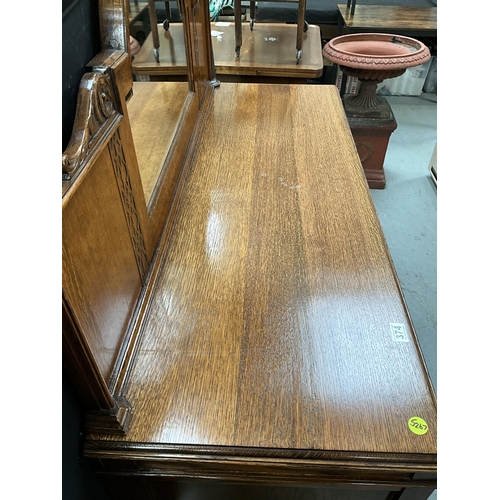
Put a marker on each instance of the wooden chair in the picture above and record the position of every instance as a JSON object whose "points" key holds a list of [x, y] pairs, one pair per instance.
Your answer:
{"points": [[301, 24]]}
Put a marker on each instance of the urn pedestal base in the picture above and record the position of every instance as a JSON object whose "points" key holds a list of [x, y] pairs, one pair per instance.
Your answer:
{"points": [[371, 130]]}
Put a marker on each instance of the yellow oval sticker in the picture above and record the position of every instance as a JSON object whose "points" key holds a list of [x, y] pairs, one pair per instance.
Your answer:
{"points": [[418, 425]]}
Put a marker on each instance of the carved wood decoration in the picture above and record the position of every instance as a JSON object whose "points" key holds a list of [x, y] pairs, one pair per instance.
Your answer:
{"points": [[129, 205], [96, 109]]}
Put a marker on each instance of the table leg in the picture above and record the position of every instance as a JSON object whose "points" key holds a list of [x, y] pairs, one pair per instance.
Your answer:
{"points": [[237, 26], [340, 24], [252, 14], [154, 29], [168, 15], [301, 17]]}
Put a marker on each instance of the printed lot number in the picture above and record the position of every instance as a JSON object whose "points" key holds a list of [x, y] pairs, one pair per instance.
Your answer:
{"points": [[398, 331]]}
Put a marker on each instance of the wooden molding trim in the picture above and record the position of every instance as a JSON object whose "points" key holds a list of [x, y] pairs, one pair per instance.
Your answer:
{"points": [[114, 421], [269, 465]]}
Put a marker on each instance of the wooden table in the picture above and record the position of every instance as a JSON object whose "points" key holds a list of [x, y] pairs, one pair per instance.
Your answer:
{"points": [[268, 54], [401, 20], [277, 357], [301, 26]]}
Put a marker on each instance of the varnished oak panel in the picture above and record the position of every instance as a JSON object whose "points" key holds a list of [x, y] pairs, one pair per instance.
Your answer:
{"points": [[267, 51], [154, 111], [388, 17], [267, 348], [103, 295]]}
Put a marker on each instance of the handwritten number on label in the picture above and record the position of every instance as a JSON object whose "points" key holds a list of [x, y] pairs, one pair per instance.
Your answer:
{"points": [[418, 426]]}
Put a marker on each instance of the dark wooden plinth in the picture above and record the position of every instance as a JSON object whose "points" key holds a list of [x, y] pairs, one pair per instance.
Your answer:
{"points": [[371, 135]]}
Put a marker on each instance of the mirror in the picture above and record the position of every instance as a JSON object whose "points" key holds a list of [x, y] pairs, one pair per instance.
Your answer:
{"points": [[161, 88]]}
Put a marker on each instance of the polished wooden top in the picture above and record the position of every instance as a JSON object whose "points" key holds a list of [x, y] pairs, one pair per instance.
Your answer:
{"points": [[269, 326], [154, 109], [268, 50], [387, 17]]}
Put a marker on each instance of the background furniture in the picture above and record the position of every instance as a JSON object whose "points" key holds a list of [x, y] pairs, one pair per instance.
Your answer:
{"points": [[324, 13], [301, 24], [268, 54], [400, 19]]}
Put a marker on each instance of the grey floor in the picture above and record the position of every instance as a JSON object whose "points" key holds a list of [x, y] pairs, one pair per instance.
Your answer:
{"points": [[407, 209]]}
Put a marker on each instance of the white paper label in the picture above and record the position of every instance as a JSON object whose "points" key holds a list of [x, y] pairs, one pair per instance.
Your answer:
{"points": [[398, 331]]}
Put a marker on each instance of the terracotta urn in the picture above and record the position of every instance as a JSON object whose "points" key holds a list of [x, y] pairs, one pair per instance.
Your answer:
{"points": [[374, 57]]}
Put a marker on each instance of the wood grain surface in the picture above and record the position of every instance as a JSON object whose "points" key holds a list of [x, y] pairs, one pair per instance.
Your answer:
{"points": [[269, 324], [389, 17], [154, 111], [101, 280], [268, 50]]}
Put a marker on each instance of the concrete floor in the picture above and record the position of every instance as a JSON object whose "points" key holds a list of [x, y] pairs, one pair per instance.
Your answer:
{"points": [[407, 209]]}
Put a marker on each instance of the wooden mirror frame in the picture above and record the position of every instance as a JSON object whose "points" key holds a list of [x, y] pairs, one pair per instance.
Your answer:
{"points": [[99, 335]]}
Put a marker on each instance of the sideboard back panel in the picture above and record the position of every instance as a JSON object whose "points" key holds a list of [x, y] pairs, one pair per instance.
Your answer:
{"points": [[101, 276]]}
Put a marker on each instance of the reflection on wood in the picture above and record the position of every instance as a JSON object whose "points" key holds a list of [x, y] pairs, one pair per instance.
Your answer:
{"points": [[268, 50], [154, 111], [272, 310], [172, 53]]}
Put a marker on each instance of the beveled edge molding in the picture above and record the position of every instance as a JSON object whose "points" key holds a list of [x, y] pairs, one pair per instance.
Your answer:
{"points": [[265, 465], [151, 451], [114, 421], [95, 110]]}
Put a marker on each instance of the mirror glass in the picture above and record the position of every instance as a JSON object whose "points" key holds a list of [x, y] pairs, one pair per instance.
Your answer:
{"points": [[160, 88]]}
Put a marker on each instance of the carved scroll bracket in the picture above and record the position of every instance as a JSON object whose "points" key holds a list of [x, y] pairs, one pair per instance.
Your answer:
{"points": [[96, 109]]}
